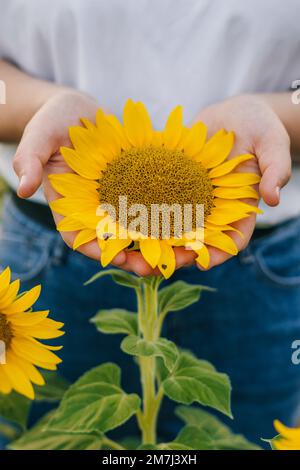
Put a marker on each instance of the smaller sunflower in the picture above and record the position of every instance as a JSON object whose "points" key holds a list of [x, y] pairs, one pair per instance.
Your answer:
{"points": [[20, 330], [289, 438], [177, 166]]}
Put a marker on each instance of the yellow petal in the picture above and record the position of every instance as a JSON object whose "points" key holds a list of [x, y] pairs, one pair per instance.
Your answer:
{"points": [[284, 431], [223, 228], [228, 166], [33, 351], [84, 236], [30, 370], [68, 224], [70, 184], [110, 248], [236, 205], [5, 385], [24, 302], [224, 217], [235, 180], [236, 193], [194, 141], [68, 206], [4, 280], [221, 241], [173, 129], [115, 123], [157, 139], [88, 144], [18, 379], [216, 150], [137, 124], [86, 169], [203, 257], [167, 261], [10, 295], [28, 318], [87, 123], [108, 141], [150, 249]]}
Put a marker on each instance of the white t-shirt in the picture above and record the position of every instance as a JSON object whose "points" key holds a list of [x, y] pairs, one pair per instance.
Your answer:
{"points": [[163, 52]]}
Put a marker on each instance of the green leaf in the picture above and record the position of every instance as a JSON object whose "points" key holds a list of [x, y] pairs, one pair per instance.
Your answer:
{"points": [[116, 320], [206, 432], [119, 276], [39, 438], [136, 346], [179, 295], [271, 442], [174, 446], [193, 380], [15, 408], [53, 390], [95, 403]]}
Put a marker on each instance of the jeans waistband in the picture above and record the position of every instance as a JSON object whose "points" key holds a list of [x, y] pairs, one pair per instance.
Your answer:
{"points": [[39, 213]]}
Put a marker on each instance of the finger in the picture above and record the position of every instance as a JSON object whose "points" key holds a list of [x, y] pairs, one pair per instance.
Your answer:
{"points": [[275, 166], [33, 152], [246, 227], [184, 257], [136, 263]]}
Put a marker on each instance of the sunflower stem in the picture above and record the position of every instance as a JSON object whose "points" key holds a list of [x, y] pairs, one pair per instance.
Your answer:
{"points": [[147, 317]]}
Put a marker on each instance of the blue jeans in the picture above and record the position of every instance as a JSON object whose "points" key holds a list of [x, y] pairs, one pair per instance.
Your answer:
{"points": [[245, 329]]}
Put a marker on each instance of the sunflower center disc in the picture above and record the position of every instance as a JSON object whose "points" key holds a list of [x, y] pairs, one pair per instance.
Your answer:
{"points": [[5, 330], [156, 176]]}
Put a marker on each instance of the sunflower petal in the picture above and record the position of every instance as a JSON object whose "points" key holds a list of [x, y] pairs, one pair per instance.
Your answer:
{"points": [[221, 241], [194, 141], [78, 164], [216, 150], [18, 379], [24, 302], [167, 261], [235, 180], [151, 251], [69, 224], [173, 129], [84, 236], [110, 248], [236, 193], [203, 257], [230, 165], [119, 128], [68, 184], [137, 124], [236, 205]]}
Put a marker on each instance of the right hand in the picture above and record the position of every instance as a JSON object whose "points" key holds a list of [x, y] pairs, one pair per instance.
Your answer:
{"points": [[38, 153]]}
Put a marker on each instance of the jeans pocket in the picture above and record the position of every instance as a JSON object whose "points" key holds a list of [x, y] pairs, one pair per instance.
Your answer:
{"points": [[278, 255]]}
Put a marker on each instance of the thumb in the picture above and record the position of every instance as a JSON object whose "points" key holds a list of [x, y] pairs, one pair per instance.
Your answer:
{"points": [[32, 154], [275, 166]]}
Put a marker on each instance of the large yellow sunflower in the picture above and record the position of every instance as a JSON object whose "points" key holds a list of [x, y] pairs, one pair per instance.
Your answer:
{"points": [[20, 328], [289, 438], [177, 165]]}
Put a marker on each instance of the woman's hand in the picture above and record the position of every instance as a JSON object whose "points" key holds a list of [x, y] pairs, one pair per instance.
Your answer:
{"points": [[38, 152], [258, 130]]}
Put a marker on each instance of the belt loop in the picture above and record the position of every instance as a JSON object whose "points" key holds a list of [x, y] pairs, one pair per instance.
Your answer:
{"points": [[246, 256], [60, 251]]}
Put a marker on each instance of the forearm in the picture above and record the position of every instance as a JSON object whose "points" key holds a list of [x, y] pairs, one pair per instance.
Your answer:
{"points": [[289, 114], [24, 96]]}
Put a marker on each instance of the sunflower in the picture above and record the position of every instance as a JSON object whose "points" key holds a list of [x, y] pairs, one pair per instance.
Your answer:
{"points": [[20, 328], [289, 438], [177, 165]]}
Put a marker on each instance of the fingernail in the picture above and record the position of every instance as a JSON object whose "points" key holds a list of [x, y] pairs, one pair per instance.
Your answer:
{"points": [[278, 192], [22, 181]]}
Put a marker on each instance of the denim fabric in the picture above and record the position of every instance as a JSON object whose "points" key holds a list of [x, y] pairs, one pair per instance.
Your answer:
{"points": [[245, 329]]}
